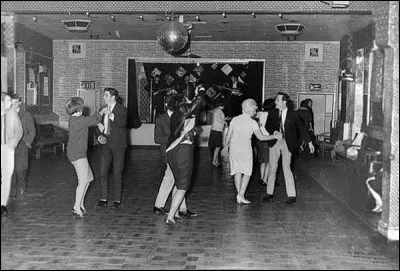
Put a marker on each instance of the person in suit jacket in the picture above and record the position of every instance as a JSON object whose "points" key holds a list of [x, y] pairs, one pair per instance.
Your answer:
{"points": [[286, 121], [11, 133], [161, 135], [21, 152], [113, 143]]}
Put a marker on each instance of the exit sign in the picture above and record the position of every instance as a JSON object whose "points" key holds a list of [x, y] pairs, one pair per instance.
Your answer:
{"points": [[87, 85]]}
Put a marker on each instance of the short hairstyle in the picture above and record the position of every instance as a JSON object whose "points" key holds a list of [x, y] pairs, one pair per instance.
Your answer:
{"points": [[173, 102], [285, 96], [304, 103], [74, 104], [269, 104], [113, 92], [248, 105], [219, 102], [15, 96]]}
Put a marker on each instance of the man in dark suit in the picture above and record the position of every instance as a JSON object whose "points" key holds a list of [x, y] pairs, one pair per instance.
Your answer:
{"points": [[21, 152], [113, 144], [285, 120]]}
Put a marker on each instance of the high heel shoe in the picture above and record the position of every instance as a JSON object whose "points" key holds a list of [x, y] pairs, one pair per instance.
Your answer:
{"points": [[241, 200], [170, 223], [76, 215]]}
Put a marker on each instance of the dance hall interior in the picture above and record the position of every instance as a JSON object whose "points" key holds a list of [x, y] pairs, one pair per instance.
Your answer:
{"points": [[154, 135]]}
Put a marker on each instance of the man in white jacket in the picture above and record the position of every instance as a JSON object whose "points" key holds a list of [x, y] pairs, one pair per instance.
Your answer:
{"points": [[11, 133]]}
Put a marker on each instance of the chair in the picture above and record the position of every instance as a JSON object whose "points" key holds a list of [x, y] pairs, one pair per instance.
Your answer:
{"points": [[327, 141], [348, 149], [49, 138]]}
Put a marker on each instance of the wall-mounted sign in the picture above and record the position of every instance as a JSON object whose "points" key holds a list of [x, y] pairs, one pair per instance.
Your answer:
{"points": [[315, 87], [314, 52], [76, 50], [87, 85]]}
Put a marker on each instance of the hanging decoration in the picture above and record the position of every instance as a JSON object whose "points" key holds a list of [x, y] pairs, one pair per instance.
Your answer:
{"points": [[172, 37]]}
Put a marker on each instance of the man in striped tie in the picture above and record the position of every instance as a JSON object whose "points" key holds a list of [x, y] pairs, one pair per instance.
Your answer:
{"points": [[113, 144]]}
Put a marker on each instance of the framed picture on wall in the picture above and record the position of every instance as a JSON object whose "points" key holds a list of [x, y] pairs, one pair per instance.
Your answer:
{"points": [[76, 50], [314, 52]]}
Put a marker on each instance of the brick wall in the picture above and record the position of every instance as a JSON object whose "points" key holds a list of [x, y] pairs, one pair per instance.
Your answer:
{"points": [[106, 64]]}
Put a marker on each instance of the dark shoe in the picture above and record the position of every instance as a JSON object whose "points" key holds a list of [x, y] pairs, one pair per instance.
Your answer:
{"points": [[188, 213], [290, 200], [160, 211], [116, 204], [83, 210], [268, 198], [102, 203], [76, 215], [3, 210], [170, 223]]}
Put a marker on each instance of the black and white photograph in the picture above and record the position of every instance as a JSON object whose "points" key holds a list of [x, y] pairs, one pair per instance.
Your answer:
{"points": [[201, 135]]}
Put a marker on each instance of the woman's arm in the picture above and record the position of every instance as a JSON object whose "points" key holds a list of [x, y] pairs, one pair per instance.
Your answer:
{"points": [[263, 137], [228, 137]]}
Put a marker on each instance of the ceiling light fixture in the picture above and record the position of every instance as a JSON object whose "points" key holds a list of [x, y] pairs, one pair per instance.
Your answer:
{"points": [[198, 18], [34, 19], [113, 18], [253, 14], [141, 17], [291, 29], [224, 15], [88, 14]]}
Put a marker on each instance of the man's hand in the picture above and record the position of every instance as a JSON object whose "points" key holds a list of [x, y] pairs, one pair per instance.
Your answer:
{"points": [[102, 139], [311, 146]]}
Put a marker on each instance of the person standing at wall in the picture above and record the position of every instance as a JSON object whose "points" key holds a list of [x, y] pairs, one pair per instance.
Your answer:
{"points": [[113, 143], [286, 121], [307, 119], [78, 133], [312, 128], [11, 133], [22, 150]]}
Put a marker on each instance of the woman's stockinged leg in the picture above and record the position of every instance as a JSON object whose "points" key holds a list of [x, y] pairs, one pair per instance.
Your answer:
{"points": [[176, 202]]}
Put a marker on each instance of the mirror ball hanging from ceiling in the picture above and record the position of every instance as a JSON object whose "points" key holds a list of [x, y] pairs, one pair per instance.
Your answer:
{"points": [[172, 37]]}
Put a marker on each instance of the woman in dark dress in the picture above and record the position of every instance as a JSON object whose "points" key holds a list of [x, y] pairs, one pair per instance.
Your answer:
{"points": [[180, 150]]}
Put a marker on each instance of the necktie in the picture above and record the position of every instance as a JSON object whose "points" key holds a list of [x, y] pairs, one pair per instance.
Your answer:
{"points": [[281, 129], [107, 123]]}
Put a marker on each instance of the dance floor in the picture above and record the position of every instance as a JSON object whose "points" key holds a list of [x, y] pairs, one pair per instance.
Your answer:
{"points": [[318, 232]]}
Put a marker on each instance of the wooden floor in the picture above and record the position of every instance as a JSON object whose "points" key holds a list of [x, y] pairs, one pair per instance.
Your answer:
{"points": [[318, 232]]}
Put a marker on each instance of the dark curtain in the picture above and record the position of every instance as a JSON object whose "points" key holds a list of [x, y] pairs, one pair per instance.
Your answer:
{"points": [[255, 81], [133, 113]]}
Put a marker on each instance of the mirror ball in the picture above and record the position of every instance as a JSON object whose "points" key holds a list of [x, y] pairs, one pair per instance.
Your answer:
{"points": [[172, 37]]}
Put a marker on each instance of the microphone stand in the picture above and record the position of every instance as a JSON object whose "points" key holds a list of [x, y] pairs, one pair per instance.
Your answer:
{"points": [[151, 100]]}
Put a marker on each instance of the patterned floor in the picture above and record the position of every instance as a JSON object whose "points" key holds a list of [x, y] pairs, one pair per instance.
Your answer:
{"points": [[318, 232]]}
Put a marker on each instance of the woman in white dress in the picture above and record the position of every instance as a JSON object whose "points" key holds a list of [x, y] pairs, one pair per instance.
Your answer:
{"points": [[238, 144]]}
